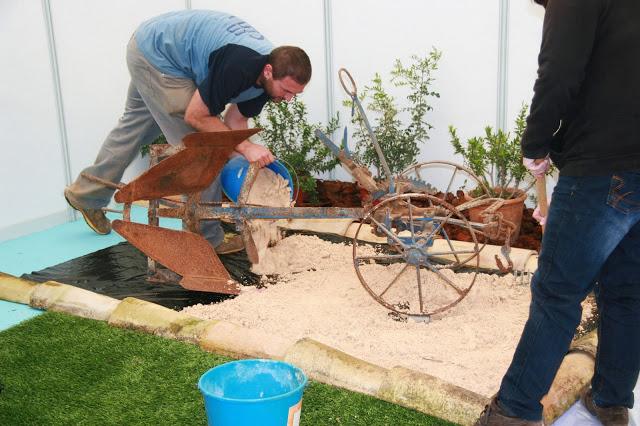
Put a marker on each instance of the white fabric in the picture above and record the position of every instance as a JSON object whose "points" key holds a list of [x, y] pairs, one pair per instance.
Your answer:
{"points": [[578, 415]]}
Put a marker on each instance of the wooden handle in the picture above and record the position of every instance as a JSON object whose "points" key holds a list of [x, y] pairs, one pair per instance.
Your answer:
{"points": [[541, 192]]}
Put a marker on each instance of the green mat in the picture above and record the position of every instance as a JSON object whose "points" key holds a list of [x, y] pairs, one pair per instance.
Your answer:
{"points": [[58, 370]]}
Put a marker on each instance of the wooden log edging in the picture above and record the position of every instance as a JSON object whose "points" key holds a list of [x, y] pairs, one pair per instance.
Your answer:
{"points": [[572, 379], [136, 314], [13, 289], [229, 339], [430, 394], [399, 385], [332, 366], [55, 296]]}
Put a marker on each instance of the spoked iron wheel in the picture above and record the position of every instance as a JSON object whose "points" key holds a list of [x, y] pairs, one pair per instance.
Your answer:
{"points": [[415, 274]]}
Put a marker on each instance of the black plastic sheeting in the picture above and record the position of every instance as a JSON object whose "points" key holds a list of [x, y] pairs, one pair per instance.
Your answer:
{"points": [[121, 271]]}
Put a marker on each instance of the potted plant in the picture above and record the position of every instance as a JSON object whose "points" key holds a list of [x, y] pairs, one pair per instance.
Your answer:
{"points": [[399, 142], [290, 137], [496, 159]]}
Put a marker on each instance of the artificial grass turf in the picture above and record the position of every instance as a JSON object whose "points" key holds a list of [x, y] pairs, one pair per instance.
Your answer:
{"points": [[58, 369]]}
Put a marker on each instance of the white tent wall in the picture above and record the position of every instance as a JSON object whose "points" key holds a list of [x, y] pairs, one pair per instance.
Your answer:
{"points": [[370, 35], [525, 32], [32, 168], [90, 42]]}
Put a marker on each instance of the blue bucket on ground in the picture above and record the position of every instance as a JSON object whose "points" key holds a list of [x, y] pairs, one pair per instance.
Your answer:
{"points": [[234, 172], [253, 392]]}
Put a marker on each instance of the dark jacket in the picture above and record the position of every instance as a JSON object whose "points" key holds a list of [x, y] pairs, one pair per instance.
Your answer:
{"points": [[585, 111]]}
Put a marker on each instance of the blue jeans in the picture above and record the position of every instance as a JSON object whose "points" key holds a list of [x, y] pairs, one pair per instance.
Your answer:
{"points": [[592, 239]]}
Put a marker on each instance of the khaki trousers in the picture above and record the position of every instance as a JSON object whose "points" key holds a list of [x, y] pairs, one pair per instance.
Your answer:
{"points": [[155, 104]]}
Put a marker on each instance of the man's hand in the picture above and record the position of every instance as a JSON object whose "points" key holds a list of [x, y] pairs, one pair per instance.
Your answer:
{"points": [[255, 153], [537, 167], [198, 117]]}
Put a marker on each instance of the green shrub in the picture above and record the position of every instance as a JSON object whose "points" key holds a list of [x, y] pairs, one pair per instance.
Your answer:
{"points": [[400, 143], [496, 158], [287, 132]]}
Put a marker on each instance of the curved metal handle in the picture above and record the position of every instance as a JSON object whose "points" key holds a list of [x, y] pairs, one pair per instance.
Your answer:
{"points": [[354, 90]]}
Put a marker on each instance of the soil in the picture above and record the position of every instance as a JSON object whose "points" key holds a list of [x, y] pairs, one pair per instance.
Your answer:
{"points": [[333, 193]]}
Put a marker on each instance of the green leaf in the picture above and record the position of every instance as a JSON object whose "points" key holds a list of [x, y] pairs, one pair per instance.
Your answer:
{"points": [[291, 137], [400, 140], [496, 157]]}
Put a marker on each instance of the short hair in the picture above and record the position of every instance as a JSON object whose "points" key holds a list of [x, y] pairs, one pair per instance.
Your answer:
{"points": [[290, 61]]}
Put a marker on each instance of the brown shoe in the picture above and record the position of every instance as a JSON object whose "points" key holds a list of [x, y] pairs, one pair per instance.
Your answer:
{"points": [[231, 245], [608, 416], [494, 416], [95, 218]]}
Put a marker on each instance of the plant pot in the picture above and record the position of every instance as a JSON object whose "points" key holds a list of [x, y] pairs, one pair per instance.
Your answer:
{"points": [[511, 210]]}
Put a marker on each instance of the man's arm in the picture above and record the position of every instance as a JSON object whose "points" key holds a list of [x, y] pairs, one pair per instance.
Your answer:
{"points": [[251, 151], [198, 116]]}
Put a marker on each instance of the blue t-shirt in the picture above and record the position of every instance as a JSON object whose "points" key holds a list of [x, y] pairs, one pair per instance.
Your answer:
{"points": [[223, 54]]}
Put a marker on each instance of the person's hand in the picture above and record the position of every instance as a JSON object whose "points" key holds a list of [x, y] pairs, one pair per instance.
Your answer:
{"points": [[257, 153], [542, 220], [538, 167]]}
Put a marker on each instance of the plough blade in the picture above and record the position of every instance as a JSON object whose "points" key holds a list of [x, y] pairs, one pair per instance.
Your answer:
{"points": [[191, 170], [185, 253], [206, 139]]}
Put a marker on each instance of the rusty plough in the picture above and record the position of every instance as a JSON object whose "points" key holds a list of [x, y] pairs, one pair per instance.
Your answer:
{"points": [[406, 211]]}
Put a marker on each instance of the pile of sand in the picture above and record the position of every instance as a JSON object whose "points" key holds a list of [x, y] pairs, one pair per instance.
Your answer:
{"points": [[268, 189], [318, 295]]}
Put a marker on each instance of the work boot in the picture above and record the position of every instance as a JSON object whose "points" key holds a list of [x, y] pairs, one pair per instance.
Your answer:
{"points": [[231, 245], [494, 416], [608, 416], [95, 218]]}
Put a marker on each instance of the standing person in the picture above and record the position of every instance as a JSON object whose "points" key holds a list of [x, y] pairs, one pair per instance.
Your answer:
{"points": [[585, 116], [185, 68]]}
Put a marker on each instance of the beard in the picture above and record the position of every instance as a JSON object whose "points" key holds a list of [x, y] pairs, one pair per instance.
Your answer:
{"points": [[268, 88]]}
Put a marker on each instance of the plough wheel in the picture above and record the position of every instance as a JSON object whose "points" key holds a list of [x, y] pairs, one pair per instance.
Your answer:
{"points": [[415, 274]]}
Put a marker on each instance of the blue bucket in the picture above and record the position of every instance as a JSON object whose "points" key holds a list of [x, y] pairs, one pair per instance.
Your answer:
{"points": [[253, 392], [234, 172]]}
